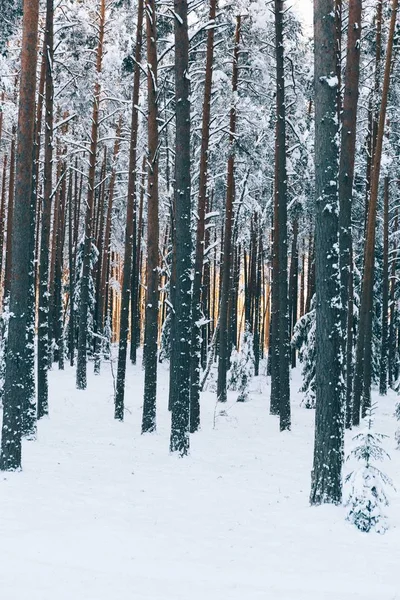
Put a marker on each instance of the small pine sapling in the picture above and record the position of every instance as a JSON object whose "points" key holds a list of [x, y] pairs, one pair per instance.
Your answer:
{"points": [[242, 366], [367, 497], [303, 340]]}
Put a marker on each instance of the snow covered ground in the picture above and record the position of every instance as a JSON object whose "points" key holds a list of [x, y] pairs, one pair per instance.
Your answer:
{"points": [[100, 512]]}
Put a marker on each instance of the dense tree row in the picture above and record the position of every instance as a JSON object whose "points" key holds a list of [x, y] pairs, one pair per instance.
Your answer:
{"points": [[174, 177]]}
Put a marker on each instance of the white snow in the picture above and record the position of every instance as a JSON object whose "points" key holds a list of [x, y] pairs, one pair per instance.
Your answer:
{"points": [[100, 512]]}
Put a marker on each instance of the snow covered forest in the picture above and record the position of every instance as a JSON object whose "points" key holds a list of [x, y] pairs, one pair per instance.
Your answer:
{"points": [[199, 299]]}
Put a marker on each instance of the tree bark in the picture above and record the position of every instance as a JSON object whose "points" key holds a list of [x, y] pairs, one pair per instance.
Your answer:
{"points": [[14, 390], [151, 324], [179, 440], [346, 179], [383, 376], [326, 478], [280, 384], [43, 301]]}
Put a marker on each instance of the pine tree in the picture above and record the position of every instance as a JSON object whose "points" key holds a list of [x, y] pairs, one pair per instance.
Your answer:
{"points": [[367, 497], [304, 341], [242, 366]]}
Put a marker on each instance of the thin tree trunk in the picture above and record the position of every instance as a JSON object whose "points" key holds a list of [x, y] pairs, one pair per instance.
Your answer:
{"points": [[200, 233], [280, 384], [346, 179], [226, 275], [383, 378], [130, 232], [43, 302], [151, 325], [136, 319]]}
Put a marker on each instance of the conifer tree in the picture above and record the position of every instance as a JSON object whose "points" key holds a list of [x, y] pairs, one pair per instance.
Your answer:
{"points": [[367, 497]]}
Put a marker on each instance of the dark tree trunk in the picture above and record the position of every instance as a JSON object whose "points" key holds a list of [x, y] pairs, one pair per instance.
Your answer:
{"points": [[280, 384], [3, 213], [130, 232], [71, 265], [43, 301], [151, 324], [226, 267], [346, 178], [136, 319], [10, 210], [326, 479], [383, 379], [15, 393], [179, 441], [294, 273]]}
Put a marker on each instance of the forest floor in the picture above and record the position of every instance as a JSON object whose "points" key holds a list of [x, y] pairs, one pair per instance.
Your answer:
{"points": [[100, 512]]}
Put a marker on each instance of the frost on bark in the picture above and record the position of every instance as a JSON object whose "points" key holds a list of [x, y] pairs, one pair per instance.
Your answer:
{"points": [[326, 478], [179, 441]]}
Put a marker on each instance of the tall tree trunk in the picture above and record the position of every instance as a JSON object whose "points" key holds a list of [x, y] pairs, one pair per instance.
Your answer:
{"points": [[326, 479], [226, 267], [363, 375], [43, 302], [179, 441], [136, 320], [151, 325], [280, 384], [294, 273], [346, 179], [201, 212], [14, 389], [130, 232], [81, 380]]}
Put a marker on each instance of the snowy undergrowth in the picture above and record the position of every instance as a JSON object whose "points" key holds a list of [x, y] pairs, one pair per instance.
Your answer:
{"points": [[103, 513]]}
